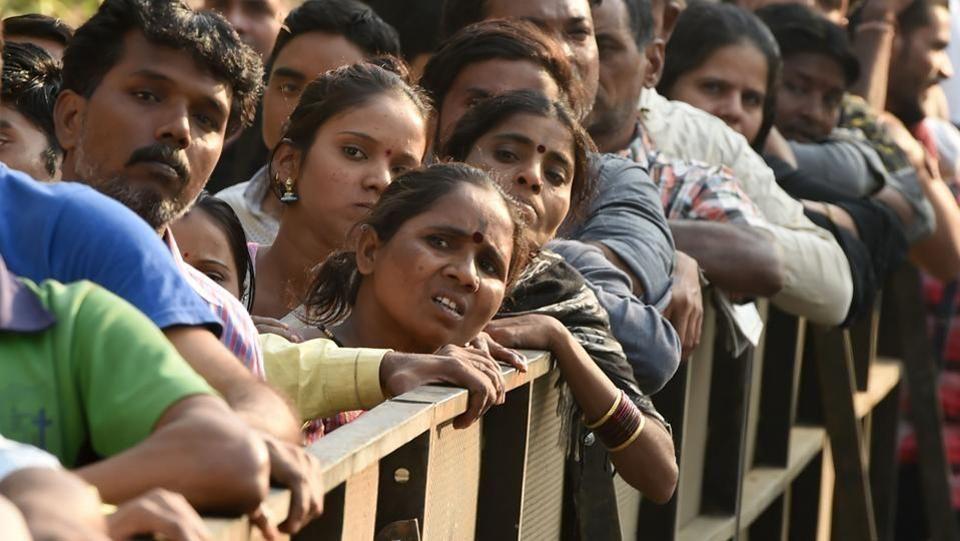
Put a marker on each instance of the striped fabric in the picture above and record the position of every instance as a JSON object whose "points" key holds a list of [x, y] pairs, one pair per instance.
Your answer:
{"points": [[239, 332]]}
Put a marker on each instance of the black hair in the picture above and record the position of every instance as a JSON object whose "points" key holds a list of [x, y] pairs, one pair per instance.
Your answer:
{"points": [[459, 14], [417, 22], [502, 40], [31, 82], [341, 90], [337, 281], [353, 20], [227, 221], [35, 25], [98, 45], [918, 14], [492, 112], [705, 27], [800, 29], [641, 21]]}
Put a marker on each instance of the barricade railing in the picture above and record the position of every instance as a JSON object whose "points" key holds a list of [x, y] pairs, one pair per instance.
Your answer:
{"points": [[793, 439]]}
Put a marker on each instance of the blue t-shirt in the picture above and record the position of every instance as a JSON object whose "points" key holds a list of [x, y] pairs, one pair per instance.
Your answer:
{"points": [[69, 232]]}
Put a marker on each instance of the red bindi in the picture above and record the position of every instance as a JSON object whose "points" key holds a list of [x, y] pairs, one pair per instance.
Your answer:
{"points": [[389, 152], [478, 237], [541, 149]]}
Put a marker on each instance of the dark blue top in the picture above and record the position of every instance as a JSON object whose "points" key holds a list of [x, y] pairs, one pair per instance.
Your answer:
{"points": [[69, 232]]}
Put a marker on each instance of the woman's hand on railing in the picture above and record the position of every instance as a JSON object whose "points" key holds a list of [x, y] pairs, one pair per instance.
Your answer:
{"points": [[160, 513], [297, 470], [507, 356], [468, 367]]}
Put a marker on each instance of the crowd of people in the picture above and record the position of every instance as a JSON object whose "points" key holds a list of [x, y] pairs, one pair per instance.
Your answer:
{"points": [[231, 228]]}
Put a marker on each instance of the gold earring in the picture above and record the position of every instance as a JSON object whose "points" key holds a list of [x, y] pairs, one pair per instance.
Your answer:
{"points": [[289, 196]]}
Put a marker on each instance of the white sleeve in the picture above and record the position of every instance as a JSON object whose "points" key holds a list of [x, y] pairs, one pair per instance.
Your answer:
{"points": [[17, 456]]}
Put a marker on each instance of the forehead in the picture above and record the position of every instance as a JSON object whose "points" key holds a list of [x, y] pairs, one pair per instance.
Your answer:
{"points": [[10, 118], [387, 117], [941, 23], [740, 63], [472, 208], [314, 53], [610, 16], [549, 12], [546, 131], [178, 67], [498, 76], [818, 69]]}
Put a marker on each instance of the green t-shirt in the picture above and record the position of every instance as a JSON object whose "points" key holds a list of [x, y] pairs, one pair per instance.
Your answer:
{"points": [[93, 384]]}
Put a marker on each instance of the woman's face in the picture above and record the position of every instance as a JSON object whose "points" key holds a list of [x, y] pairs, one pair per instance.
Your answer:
{"points": [[442, 276], [354, 156], [205, 247], [532, 157], [730, 84]]}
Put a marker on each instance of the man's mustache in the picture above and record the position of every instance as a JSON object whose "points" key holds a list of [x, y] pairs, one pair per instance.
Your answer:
{"points": [[164, 154]]}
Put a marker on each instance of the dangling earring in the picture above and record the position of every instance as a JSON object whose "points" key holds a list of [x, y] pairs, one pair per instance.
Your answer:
{"points": [[289, 196]]}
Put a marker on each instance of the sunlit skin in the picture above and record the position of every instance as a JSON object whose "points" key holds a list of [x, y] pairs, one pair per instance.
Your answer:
{"points": [[532, 157], [22, 145], [568, 21], [811, 92], [481, 80], [205, 247], [730, 84], [303, 59], [54, 48], [154, 95], [433, 256], [353, 158], [256, 21], [623, 73], [919, 61]]}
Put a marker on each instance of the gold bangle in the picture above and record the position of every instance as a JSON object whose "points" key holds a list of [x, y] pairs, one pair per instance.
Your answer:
{"points": [[882, 26], [634, 436], [603, 419]]}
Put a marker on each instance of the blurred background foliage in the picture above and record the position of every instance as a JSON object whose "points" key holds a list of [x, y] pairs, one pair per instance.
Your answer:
{"points": [[71, 11]]}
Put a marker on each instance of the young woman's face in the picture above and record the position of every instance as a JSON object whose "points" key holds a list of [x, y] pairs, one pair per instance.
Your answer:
{"points": [[354, 156], [205, 247], [532, 157], [441, 278], [730, 84]]}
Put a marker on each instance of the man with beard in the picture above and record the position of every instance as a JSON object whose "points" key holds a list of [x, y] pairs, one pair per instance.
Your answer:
{"points": [[819, 67], [152, 88], [816, 277]]}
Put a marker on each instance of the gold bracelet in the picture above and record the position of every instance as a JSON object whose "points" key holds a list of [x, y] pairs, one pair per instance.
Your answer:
{"points": [[634, 436], [603, 419], [882, 26]]}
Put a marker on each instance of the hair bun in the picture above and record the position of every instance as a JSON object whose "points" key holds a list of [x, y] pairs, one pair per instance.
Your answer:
{"points": [[392, 64]]}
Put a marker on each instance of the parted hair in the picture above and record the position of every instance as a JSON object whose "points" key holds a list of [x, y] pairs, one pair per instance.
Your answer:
{"points": [[97, 46], [31, 82], [494, 111], [337, 281], [343, 89], [502, 39], [36, 25], [702, 29]]}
